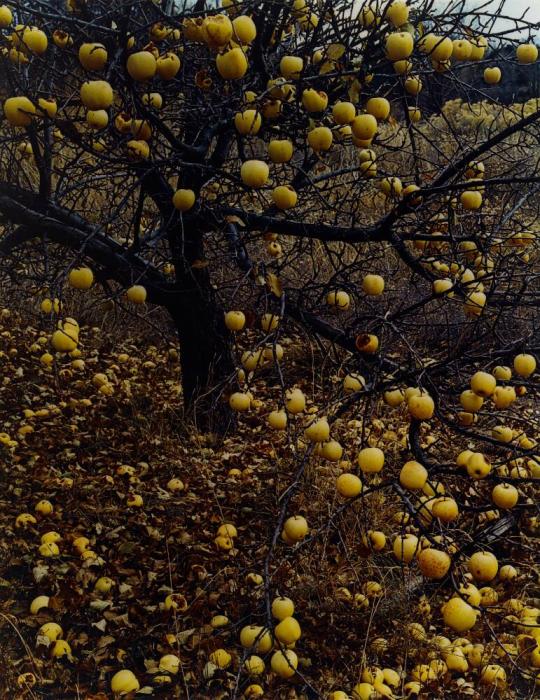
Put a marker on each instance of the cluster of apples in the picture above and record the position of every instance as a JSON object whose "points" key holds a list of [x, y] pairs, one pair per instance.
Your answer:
{"points": [[372, 285], [344, 120], [225, 536], [66, 337], [125, 682], [143, 67], [254, 359], [470, 273], [257, 642], [24, 42], [434, 657], [50, 633], [484, 385]]}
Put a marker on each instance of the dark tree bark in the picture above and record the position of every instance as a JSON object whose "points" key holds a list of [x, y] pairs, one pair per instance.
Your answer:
{"points": [[205, 343], [205, 356]]}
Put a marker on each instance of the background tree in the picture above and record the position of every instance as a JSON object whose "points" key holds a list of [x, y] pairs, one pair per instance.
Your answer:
{"points": [[273, 160]]}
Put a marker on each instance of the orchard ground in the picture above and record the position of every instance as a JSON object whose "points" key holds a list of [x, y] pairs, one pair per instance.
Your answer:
{"points": [[92, 455]]}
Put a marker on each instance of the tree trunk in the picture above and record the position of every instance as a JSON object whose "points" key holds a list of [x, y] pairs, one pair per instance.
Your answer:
{"points": [[205, 343], [205, 357]]}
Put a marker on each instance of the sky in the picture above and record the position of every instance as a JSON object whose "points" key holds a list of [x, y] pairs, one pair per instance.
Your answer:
{"points": [[512, 8]]}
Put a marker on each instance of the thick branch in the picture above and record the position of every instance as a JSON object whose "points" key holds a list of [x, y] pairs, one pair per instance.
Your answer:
{"points": [[33, 214]]}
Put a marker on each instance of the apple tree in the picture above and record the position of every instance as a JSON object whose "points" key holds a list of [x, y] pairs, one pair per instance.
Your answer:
{"points": [[351, 181]]}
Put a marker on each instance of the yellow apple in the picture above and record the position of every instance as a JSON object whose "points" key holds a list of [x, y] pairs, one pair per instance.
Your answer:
{"points": [[413, 475], [97, 94], [217, 30], [364, 126], [248, 122], [314, 101], [527, 53], [441, 49], [413, 85], [348, 485], [136, 294], [371, 460], [405, 547], [240, 401], [504, 396], [320, 138], [124, 682], [284, 663], [288, 631], [524, 365], [502, 373], [478, 466], [141, 66], [295, 401], [61, 341], [331, 450], [183, 199], [153, 99], [339, 299], [483, 384], [235, 320], [492, 75], [471, 200], [459, 615], [35, 40], [367, 343], [470, 401], [373, 285], [445, 509], [60, 648], [168, 65], [290, 67], [282, 608], [97, 118], [280, 150], [393, 398], [399, 46], [254, 173], [343, 112], [462, 49], [421, 407], [81, 278], [296, 528], [6, 16], [47, 107], [483, 566], [51, 630], [398, 13], [505, 496], [19, 111], [284, 197], [433, 563], [93, 56], [493, 674], [233, 64], [479, 46], [379, 107], [244, 29], [318, 431], [353, 383]]}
